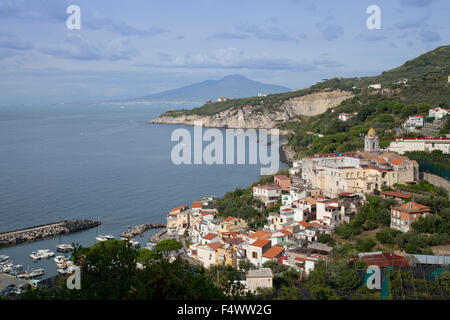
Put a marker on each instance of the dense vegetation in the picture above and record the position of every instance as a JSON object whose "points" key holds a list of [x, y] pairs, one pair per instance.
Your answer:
{"points": [[427, 83]]}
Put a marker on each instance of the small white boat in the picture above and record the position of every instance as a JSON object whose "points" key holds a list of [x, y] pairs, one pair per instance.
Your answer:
{"points": [[33, 274], [3, 258], [64, 247], [105, 238], [35, 255], [60, 259], [68, 270], [101, 238]]}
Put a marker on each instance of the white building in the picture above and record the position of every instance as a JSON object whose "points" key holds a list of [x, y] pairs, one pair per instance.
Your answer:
{"points": [[262, 278], [374, 86], [420, 144], [345, 116], [268, 194], [438, 113], [413, 122]]}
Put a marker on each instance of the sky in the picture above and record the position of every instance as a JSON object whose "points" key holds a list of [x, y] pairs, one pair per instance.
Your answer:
{"points": [[128, 49]]}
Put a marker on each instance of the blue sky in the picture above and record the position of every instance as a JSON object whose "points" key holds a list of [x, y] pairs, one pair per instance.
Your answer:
{"points": [[134, 48]]}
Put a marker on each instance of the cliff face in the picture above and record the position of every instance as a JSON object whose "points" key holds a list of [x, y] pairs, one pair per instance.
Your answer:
{"points": [[258, 117]]}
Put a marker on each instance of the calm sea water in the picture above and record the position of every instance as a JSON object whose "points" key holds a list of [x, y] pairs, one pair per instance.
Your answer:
{"points": [[96, 162]]}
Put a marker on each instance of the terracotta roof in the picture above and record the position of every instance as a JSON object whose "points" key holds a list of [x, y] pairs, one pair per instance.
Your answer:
{"points": [[260, 234], [273, 252], [234, 241], [210, 236], [178, 208], [385, 259], [214, 245], [197, 204], [304, 224], [413, 207], [380, 161], [286, 232], [346, 194], [397, 194], [282, 177], [397, 161], [227, 219], [310, 200], [207, 213], [260, 243]]}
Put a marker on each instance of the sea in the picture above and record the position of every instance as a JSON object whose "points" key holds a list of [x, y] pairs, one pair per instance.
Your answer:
{"points": [[100, 162]]}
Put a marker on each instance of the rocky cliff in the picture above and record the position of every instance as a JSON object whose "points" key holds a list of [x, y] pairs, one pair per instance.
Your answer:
{"points": [[259, 117]]}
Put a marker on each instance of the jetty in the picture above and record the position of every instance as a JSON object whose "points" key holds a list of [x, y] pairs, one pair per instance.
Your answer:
{"points": [[12, 238], [138, 230]]}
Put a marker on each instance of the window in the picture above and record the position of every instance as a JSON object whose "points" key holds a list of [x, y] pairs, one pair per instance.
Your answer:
{"points": [[254, 255]]}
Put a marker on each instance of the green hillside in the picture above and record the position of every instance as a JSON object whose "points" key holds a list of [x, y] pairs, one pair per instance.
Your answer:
{"points": [[427, 83]]}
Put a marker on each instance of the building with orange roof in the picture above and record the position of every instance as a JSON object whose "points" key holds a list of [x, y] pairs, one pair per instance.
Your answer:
{"points": [[226, 255], [178, 220], [206, 253], [232, 224], [260, 235], [272, 254], [210, 237], [403, 216], [256, 249], [283, 181]]}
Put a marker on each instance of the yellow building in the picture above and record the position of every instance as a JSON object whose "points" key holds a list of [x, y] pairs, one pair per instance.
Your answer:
{"points": [[231, 224], [226, 255]]}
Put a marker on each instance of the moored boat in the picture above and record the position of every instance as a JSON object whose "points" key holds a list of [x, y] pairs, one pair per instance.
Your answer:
{"points": [[64, 248]]}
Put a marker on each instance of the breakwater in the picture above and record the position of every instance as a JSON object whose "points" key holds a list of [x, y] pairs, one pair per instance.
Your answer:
{"points": [[137, 230], [12, 238]]}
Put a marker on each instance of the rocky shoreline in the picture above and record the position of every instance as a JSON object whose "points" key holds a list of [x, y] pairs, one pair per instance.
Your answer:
{"points": [[45, 231], [138, 230]]}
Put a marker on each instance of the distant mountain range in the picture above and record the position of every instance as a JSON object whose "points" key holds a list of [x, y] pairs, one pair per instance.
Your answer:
{"points": [[232, 86]]}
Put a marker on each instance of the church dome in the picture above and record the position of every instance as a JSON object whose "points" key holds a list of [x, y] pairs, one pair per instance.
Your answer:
{"points": [[372, 132]]}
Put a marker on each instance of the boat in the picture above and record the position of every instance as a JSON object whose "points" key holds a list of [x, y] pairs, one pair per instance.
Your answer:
{"points": [[105, 238], [68, 270], [60, 259], [150, 246], [64, 247], [35, 255], [3, 258], [101, 238], [33, 274]]}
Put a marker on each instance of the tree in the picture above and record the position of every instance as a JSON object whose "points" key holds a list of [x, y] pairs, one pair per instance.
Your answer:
{"points": [[165, 247]]}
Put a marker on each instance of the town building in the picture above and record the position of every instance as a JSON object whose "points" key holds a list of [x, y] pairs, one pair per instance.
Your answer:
{"points": [[261, 278], [232, 224], [420, 144], [255, 251], [345, 116], [283, 181], [404, 215], [268, 194], [438, 113], [178, 220]]}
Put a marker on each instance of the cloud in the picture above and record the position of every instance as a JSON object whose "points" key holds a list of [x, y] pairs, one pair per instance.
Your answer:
{"points": [[417, 3], [371, 37], [258, 32], [98, 22], [267, 33], [330, 31], [226, 36], [36, 9], [232, 58], [429, 36], [14, 42], [80, 48]]}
